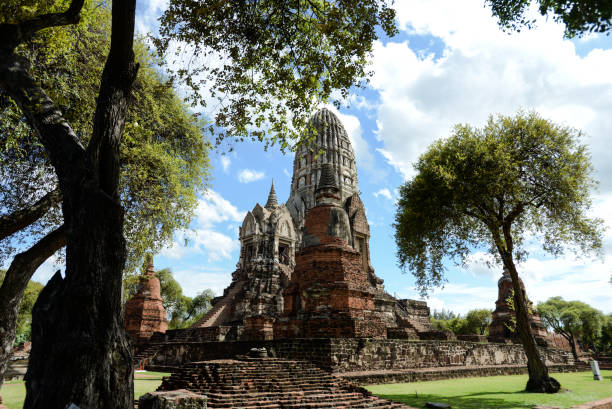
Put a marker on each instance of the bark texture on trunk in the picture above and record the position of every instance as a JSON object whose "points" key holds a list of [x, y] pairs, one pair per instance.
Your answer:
{"points": [[80, 352], [15, 282], [572, 343], [539, 380]]}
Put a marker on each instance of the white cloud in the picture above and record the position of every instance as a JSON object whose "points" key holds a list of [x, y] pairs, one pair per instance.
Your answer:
{"points": [[212, 210], [360, 102], [194, 281], [47, 270], [225, 163], [484, 71], [384, 193], [482, 264], [147, 16], [249, 175], [216, 246], [286, 172]]}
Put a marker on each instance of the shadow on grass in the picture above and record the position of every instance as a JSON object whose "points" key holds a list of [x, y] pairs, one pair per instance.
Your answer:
{"points": [[471, 401]]}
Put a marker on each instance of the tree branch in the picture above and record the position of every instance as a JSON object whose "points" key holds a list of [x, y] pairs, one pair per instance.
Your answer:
{"points": [[25, 264], [515, 212], [14, 34], [60, 141], [12, 223], [117, 78]]}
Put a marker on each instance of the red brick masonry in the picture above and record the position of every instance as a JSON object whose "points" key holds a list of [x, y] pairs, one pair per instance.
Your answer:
{"points": [[145, 313], [271, 383]]}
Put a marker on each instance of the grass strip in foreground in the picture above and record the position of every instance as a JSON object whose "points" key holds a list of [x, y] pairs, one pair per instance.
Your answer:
{"points": [[499, 392], [13, 392]]}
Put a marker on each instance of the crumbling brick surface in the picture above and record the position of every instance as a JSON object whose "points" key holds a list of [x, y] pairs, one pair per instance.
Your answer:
{"points": [[145, 313], [176, 399], [351, 354], [271, 383]]}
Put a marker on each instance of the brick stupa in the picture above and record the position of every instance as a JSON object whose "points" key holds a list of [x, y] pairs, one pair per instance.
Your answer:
{"points": [[329, 294], [502, 316], [145, 313]]}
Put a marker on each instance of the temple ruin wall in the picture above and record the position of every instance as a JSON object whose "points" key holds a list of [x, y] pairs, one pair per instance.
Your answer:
{"points": [[349, 354]]}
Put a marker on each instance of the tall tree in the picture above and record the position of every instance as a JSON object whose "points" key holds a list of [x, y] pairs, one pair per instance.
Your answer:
{"points": [[80, 353], [492, 186], [289, 55], [579, 16], [574, 320], [164, 161]]}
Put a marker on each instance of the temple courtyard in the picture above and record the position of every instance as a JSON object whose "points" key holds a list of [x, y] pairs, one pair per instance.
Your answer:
{"points": [[501, 392]]}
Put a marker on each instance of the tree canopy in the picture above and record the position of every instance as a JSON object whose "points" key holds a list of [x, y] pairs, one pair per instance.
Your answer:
{"points": [[579, 16], [265, 66], [492, 187], [574, 320]]}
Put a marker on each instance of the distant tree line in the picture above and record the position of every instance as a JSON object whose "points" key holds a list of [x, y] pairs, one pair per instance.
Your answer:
{"points": [[577, 322], [474, 322]]}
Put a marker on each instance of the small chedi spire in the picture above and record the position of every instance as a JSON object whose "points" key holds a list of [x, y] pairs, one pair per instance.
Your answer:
{"points": [[144, 312], [327, 191], [327, 181], [272, 202]]}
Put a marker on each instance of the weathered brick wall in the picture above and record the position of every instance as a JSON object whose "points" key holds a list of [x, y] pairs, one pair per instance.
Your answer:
{"points": [[359, 355], [349, 354], [371, 378]]}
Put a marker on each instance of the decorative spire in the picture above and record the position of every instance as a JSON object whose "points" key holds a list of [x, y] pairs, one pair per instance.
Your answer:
{"points": [[272, 202], [327, 180]]}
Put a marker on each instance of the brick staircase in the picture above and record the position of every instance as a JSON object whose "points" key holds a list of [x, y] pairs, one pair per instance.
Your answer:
{"points": [[220, 311], [271, 383]]}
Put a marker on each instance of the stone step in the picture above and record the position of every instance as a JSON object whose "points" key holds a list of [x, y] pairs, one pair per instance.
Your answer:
{"points": [[271, 383]]}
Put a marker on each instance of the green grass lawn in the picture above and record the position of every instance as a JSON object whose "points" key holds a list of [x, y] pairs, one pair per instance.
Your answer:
{"points": [[13, 392], [499, 392]]}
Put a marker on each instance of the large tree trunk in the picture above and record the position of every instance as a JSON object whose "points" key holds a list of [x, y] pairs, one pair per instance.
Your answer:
{"points": [[15, 282], [572, 342], [539, 380], [80, 352]]}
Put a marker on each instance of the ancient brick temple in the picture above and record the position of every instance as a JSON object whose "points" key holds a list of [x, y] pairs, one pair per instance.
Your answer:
{"points": [[305, 290], [145, 313], [277, 242]]}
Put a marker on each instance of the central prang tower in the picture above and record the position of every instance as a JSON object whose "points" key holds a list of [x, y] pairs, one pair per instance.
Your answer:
{"points": [[331, 146], [272, 235]]}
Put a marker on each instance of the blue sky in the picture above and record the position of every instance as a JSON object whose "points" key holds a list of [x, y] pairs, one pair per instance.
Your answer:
{"points": [[449, 64]]}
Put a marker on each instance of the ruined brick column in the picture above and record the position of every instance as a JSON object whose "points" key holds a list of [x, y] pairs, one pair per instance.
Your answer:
{"points": [[145, 313], [329, 294]]}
